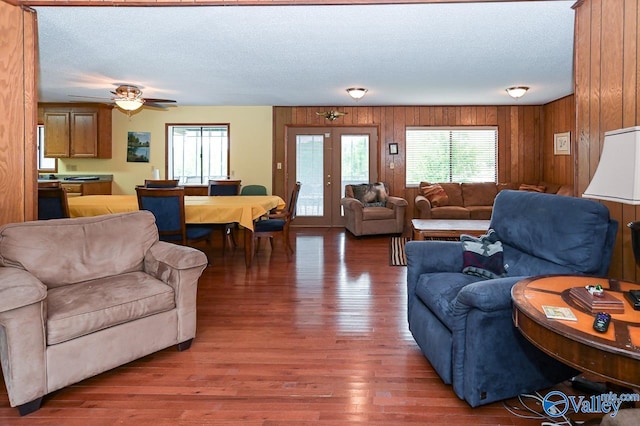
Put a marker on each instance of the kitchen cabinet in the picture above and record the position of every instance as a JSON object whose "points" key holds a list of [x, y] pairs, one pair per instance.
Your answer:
{"points": [[82, 131], [87, 188]]}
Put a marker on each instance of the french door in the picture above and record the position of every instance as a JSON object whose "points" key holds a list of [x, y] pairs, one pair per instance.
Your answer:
{"points": [[324, 160]]}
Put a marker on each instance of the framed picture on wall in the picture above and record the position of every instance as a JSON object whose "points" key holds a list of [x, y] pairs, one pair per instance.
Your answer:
{"points": [[393, 148], [138, 147], [562, 143]]}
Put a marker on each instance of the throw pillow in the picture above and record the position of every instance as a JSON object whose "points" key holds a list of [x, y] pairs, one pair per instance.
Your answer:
{"points": [[532, 188], [371, 194], [482, 256], [436, 194]]}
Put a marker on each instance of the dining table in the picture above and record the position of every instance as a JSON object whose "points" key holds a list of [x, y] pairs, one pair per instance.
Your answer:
{"points": [[199, 209]]}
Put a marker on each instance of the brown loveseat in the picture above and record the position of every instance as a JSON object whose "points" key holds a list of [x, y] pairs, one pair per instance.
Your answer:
{"points": [[82, 296], [369, 210], [471, 200]]}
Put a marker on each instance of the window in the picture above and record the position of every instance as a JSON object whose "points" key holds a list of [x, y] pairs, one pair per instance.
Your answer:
{"points": [[44, 164], [197, 153], [455, 154]]}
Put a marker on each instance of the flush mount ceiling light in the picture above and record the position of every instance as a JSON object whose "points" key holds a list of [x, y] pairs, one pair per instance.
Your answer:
{"points": [[357, 93], [517, 91]]}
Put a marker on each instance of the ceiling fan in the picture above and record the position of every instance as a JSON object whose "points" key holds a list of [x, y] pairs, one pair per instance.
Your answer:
{"points": [[129, 98], [331, 115]]}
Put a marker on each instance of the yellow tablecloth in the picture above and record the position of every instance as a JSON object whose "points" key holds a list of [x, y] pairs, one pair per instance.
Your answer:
{"points": [[243, 209]]}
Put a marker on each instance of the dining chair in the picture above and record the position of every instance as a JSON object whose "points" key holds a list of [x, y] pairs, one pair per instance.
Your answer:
{"points": [[167, 205], [52, 203], [160, 183], [277, 224], [254, 190], [49, 184], [225, 187]]}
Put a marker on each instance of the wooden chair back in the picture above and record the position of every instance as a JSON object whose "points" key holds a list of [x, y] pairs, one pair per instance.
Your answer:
{"points": [[52, 203], [161, 183], [167, 205], [224, 187]]}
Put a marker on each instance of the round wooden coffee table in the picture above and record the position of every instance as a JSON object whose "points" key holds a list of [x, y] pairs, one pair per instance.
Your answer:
{"points": [[614, 355]]}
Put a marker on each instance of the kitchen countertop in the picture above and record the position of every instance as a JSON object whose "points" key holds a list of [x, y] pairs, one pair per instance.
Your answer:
{"points": [[75, 178]]}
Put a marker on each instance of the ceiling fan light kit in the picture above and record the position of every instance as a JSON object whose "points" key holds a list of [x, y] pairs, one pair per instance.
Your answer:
{"points": [[357, 93], [517, 91], [129, 104]]}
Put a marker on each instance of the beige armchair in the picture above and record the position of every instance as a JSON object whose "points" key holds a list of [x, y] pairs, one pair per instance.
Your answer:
{"points": [[82, 296], [369, 210]]}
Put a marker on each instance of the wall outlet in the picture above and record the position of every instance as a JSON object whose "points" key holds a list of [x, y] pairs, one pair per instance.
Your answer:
{"points": [[72, 168]]}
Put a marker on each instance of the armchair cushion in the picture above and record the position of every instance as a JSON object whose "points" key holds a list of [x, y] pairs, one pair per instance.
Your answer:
{"points": [[78, 309], [81, 244]]}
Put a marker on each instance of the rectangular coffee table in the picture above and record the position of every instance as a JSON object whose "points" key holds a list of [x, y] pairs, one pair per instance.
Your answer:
{"points": [[447, 228]]}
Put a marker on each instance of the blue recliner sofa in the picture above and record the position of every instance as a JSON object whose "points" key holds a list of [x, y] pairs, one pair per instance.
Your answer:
{"points": [[463, 323]]}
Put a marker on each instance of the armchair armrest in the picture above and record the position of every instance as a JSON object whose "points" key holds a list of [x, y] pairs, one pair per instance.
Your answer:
{"points": [[352, 204], [486, 295], [19, 288], [395, 202], [180, 267], [424, 207]]}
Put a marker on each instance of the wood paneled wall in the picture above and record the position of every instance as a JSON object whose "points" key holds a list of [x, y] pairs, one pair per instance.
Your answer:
{"points": [[18, 105], [559, 117], [607, 39], [519, 137]]}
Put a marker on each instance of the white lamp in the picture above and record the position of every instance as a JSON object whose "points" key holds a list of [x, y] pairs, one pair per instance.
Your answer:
{"points": [[357, 93], [129, 104], [517, 91], [617, 177]]}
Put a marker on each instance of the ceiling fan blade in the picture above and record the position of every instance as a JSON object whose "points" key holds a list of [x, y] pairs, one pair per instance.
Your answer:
{"points": [[158, 101], [154, 105], [90, 97]]}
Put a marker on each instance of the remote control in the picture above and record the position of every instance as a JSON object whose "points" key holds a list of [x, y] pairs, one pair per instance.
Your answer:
{"points": [[601, 323], [634, 298]]}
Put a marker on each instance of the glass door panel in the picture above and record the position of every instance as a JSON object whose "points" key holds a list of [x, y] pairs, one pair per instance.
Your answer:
{"points": [[310, 173]]}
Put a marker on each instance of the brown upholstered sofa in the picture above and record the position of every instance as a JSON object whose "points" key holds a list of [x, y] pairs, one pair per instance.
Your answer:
{"points": [[82, 296], [471, 200], [369, 210]]}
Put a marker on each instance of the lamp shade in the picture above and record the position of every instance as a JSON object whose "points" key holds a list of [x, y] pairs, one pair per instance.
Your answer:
{"points": [[617, 177]]}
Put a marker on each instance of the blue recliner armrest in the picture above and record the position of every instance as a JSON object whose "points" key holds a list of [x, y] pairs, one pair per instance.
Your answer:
{"points": [[487, 295]]}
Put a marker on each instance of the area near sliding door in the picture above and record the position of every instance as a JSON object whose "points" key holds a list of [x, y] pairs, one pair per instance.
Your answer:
{"points": [[324, 160]]}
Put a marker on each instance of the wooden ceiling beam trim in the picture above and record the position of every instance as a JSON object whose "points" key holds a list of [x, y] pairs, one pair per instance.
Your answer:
{"points": [[132, 3]]}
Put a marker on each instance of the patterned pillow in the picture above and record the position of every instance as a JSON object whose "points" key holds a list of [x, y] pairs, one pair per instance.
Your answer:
{"points": [[435, 194], [532, 188], [482, 256], [371, 194]]}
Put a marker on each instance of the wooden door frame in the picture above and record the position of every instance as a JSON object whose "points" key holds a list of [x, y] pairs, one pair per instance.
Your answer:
{"points": [[376, 166]]}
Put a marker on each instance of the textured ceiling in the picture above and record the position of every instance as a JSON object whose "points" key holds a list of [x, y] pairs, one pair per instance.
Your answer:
{"points": [[405, 54]]}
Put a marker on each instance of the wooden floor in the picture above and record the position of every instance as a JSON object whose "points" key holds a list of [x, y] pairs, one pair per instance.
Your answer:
{"points": [[321, 339]]}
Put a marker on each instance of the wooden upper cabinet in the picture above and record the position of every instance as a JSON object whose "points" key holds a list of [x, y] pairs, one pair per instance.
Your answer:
{"points": [[72, 131], [84, 134], [57, 135]]}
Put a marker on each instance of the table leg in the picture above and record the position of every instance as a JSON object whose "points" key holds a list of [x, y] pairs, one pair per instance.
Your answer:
{"points": [[248, 247]]}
